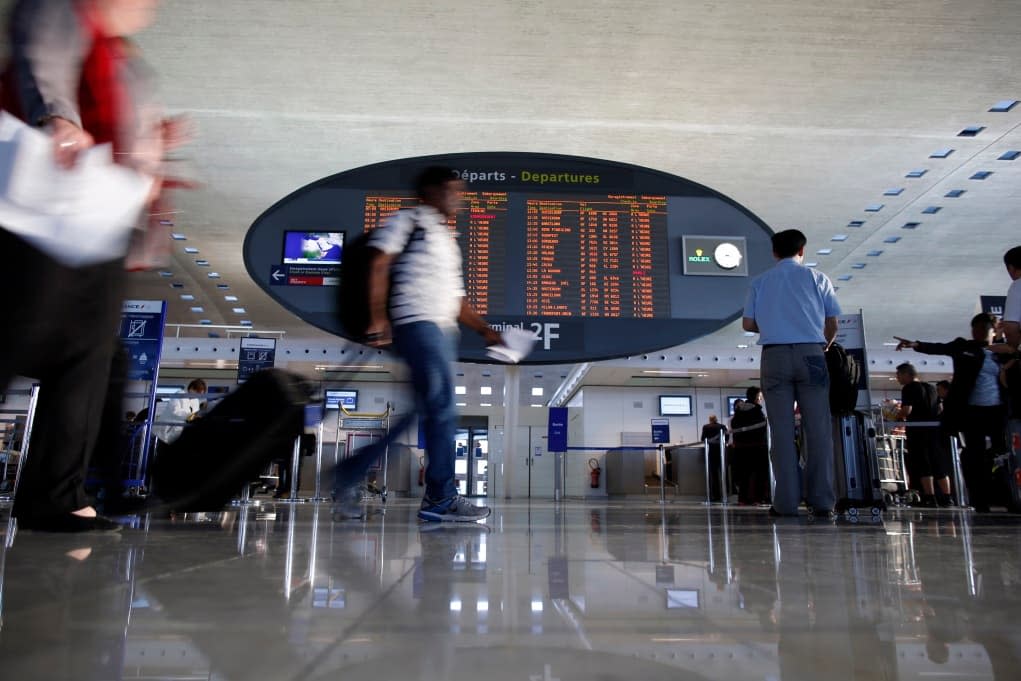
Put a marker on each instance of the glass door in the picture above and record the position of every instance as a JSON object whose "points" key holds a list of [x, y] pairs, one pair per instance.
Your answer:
{"points": [[462, 461], [479, 462]]}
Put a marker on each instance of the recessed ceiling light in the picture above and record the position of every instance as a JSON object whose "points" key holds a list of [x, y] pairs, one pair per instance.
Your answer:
{"points": [[1003, 106], [916, 173], [856, 223], [981, 175], [971, 131], [197, 308], [231, 299], [177, 236], [487, 374], [536, 392], [954, 193], [895, 191], [910, 225], [239, 310], [191, 250], [844, 277], [874, 254], [538, 406], [858, 266], [165, 274], [460, 390], [202, 263], [891, 239], [941, 153], [486, 390], [213, 275], [1008, 156], [873, 208], [742, 346], [807, 264], [245, 322], [187, 296], [931, 210], [461, 404], [824, 251], [223, 287], [206, 322], [485, 404], [839, 237], [176, 284]]}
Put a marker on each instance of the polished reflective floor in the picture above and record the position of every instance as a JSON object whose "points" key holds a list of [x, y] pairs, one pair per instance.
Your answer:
{"points": [[542, 592]]}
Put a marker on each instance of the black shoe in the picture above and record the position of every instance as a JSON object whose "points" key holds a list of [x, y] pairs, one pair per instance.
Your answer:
{"points": [[69, 522], [822, 514]]}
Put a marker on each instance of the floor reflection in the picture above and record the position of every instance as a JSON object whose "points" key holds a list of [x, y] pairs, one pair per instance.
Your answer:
{"points": [[545, 591]]}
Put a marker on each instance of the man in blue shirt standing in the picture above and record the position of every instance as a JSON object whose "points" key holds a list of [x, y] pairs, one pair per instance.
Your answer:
{"points": [[794, 310]]}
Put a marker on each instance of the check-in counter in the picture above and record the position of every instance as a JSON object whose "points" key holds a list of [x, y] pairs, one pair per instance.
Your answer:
{"points": [[629, 472]]}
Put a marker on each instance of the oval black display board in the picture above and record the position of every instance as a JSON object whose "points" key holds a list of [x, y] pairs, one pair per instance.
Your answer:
{"points": [[601, 259]]}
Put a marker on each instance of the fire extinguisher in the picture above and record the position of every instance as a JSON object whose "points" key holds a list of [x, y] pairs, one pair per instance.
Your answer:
{"points": [[421, 471], [594, 474]]}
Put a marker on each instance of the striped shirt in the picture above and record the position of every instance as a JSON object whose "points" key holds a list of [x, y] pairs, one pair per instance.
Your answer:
{"points": [[427, 284]]}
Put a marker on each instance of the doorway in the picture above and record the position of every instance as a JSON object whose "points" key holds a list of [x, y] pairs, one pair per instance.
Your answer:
{"points": [[471, 460]]}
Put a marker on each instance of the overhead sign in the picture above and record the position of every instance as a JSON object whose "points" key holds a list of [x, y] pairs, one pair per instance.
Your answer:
{"points": [[660, 431], [556, 430], [599, 259], [993, 304], [141, 334], [256, 354]]}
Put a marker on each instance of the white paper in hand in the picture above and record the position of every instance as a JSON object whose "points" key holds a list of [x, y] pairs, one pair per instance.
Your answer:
{"points": [[80, 216], [517, 344]]}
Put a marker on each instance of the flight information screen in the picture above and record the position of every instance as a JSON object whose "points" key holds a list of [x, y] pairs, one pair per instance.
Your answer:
{"points": [[600, 259]]}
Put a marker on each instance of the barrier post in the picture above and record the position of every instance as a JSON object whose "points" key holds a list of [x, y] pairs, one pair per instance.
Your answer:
{"points": [[662, 474], [723, 470], [26, 438], [708, 487], [955, 455], [295, 462], [319, 462]]}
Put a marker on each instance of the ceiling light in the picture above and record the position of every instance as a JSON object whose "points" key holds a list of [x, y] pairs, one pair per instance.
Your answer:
{"points": [[844, 277], [1003, 106], [538, 406], [749, 334], [742, 346], [177, 236], [839, 237], [239, 310], [932, 210], [971, 131], [855, 223], [910, 225], [536, 392], [485, 404], [165, 273], [460, 390], [891, 239], [460, 404], [231, 299], [941, 153], [486, 390], [916, 173], [874, 254], [187, 296], [824, 251], [981, 175], [858, 266], [202, 263], [222, 287], [1008, 156], [811, 264], [895, 191], [245, 322], [873, 208], [213, 275], [954, 193], [191, 250], [205, 322], [177, 284]]}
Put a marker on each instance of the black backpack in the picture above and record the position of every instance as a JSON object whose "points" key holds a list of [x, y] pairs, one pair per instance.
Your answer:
{"points": [[844, 375], [353, 291]]}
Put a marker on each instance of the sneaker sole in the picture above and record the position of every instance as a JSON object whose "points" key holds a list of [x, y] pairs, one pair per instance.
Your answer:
{"points": [[451, 518]]}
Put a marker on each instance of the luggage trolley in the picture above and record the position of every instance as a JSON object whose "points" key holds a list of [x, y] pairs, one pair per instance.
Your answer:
{"points": [[893, 473], [361, 429]]}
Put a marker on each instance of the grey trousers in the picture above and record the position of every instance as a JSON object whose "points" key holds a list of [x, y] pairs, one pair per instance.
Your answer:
{"points": [[790, 373]]}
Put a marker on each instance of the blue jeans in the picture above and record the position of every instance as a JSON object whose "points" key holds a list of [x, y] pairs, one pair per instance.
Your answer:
{"points": [[430, 353], [789, 373]]}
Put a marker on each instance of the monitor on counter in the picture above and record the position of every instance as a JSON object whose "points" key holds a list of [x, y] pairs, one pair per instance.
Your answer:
{"points": [[348, 398], [675, 405]]}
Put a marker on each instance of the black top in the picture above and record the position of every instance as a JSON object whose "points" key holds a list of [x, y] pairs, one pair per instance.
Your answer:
{"points": [[712, 431], [922, 399]]}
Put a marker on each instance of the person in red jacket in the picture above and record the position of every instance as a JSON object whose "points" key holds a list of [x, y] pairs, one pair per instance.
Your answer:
{"points": [[72, 72]]}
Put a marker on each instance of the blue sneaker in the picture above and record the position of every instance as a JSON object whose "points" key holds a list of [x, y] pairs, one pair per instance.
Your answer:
{"points": [[457, 509]]}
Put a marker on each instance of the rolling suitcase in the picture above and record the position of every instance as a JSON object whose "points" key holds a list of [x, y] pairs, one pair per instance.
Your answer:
{"points": [[1007, 474], [856, 467], [217, 454]]}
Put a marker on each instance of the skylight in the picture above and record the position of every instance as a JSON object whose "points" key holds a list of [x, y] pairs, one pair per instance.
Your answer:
{"points": [[1008, 155], [855, 223], [839, 237], [874, 253], [931, 210], [891, 239], [894, 191], [941, 153], [824, 251], [981, 175], [874, 208], [916, 173], [1003, 106], [954, 193], [971, 131], [910, 225], [858, 266]]}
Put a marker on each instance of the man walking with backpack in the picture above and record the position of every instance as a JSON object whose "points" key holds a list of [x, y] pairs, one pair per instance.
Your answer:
{"points": [[919, 403], [794, 310], [416, 299]]}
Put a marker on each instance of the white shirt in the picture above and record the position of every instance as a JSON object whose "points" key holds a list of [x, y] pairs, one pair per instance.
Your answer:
{"points": [[176, 410], [1012, 308], [427, 283]]}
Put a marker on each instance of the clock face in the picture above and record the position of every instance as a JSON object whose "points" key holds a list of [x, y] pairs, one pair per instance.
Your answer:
{"points": [[727, 256]]}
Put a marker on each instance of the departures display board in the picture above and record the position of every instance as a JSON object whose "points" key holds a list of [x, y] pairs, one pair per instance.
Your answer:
{"points": [[600, 259]]}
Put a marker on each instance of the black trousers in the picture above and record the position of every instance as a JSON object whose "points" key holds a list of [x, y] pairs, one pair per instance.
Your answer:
{"points": [[59, 328], [977, 460]]}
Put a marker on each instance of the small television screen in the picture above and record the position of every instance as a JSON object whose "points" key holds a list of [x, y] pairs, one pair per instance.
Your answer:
{"points": [[677, 599], [348, 398], [313, 248], [675, 405], [732, 403]]}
